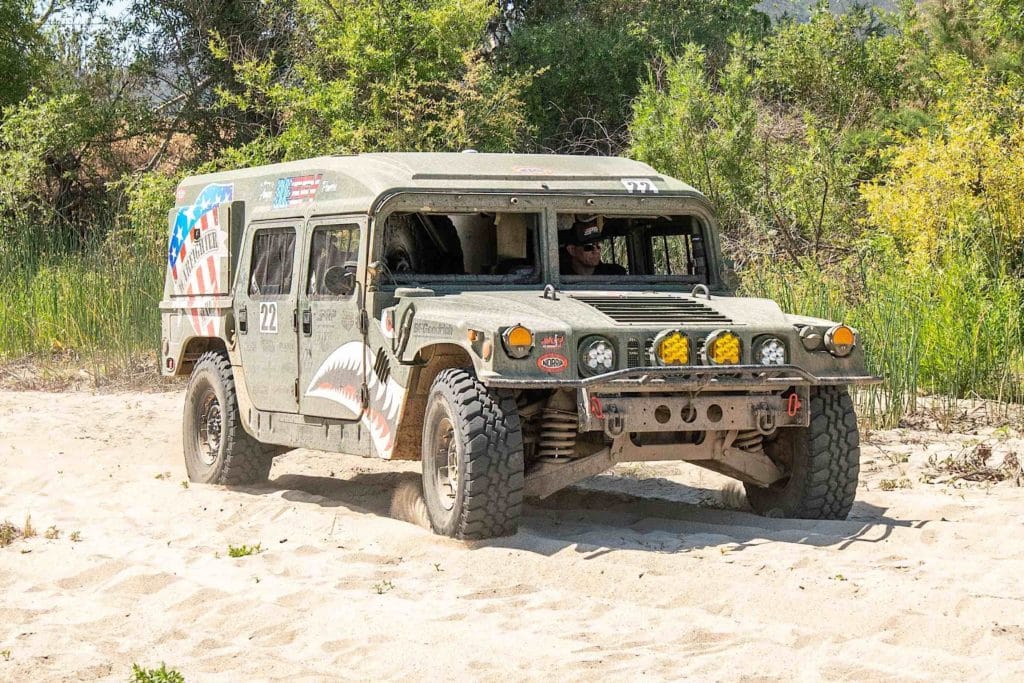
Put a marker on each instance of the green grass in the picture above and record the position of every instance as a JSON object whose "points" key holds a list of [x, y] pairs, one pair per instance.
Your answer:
{"points": [[98, 300], [953, 330]]}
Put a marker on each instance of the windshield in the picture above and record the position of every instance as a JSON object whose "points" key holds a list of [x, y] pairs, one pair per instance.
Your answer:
{"points": [[631, 249]]}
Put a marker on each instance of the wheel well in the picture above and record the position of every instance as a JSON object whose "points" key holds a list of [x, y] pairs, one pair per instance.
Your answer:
{"points": [[433, 360], [194, 348]]}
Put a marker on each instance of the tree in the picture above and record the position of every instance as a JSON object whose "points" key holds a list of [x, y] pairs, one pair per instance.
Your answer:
{"points": [[20, 43]]}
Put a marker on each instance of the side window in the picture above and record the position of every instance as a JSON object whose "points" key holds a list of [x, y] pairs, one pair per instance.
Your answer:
{"points": [[615, 250], [673, 255], [333, 254], [273, 252]]}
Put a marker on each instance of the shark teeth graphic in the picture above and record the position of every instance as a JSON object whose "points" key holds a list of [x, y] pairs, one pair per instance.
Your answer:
{"points": [[338, 379]]}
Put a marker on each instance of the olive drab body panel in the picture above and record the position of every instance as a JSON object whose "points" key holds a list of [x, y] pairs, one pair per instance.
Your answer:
{"points": [[580, 300]]}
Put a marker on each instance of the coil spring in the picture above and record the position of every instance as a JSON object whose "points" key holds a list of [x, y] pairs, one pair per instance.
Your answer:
{"points": [[749, 441], [557, 433]]}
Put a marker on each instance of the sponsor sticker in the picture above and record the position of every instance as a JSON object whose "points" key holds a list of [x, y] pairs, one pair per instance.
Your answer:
{"points": [[553, 341], [532, 170], [553, 363], [639, 186]]}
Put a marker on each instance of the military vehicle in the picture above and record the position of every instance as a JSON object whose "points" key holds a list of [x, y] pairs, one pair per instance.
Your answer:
{"points": [[516, 322]]}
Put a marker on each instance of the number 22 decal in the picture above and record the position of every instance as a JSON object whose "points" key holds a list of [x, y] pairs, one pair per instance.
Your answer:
{"points": [[639, 186], [268, 316]]}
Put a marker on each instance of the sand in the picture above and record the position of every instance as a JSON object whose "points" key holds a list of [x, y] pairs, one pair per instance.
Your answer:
{"points": [[653, 571]]}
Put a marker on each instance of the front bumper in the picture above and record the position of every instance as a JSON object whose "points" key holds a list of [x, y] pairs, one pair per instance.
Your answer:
{"points": [[695, 378], [619, 414]]}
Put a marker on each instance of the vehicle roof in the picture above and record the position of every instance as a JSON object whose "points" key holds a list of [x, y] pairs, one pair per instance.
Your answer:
{"points": [[355, 182]]}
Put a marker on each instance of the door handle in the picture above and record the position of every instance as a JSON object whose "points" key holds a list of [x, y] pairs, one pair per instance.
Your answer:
{"points": [[243, 320], [307, 322]]}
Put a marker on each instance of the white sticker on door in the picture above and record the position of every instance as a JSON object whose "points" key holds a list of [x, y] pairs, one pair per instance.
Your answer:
{"points": [[268, 317]]}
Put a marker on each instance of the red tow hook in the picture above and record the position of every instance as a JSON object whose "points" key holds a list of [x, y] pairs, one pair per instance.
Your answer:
{"points": [[595, 408], [793, 405]]}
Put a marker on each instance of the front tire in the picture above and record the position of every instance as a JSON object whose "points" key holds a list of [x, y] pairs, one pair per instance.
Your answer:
{"points": [[822, 460], [218, 450], [472, 458]]}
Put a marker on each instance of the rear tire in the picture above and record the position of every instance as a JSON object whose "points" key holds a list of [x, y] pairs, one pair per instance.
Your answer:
{"points": [[218, 450], [472, 458], [823, 462]]}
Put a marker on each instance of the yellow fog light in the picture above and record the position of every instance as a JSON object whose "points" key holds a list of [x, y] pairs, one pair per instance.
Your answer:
{"points": [[722, 348], [518, 341], [840, 340], [673, 349]]}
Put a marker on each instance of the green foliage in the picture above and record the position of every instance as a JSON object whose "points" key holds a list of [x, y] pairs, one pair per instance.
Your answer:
{"points": [[398, 75], [244, 550], [590, 58], [20, 45], [841, 67], [782, 180], [161, 675], [988, 33]]}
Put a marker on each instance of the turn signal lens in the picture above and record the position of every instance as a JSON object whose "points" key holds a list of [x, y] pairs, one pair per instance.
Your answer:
{"points": [[520, 336], [840, 340], [673, 349], [723, 348], [518, 341]]}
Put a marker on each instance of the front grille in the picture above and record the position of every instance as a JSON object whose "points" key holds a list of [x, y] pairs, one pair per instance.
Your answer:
{"points": [[654, 310], [637, 356]]}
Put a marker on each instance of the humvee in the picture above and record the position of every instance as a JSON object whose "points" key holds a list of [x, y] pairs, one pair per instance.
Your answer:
{"points": [[516, 322]]}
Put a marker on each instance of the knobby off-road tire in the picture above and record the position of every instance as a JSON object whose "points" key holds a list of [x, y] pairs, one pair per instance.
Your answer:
{"points": [[218, 450], [472, 458], [823, 462]]}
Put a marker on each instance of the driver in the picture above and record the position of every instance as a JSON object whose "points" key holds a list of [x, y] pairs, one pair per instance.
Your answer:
{"points": [[583, 251]]}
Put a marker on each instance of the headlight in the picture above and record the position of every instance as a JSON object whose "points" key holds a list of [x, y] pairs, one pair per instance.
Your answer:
{"points": [[672, 348], [840, 340], [722, 348], [597, 355], [771, 351], [518, 341]]}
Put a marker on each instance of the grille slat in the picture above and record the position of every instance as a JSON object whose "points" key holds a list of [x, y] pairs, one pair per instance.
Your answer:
{"points": [[656, 310]]}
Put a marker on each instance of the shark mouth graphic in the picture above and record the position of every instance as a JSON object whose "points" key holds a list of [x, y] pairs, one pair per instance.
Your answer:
{"points": [[338, 379]]}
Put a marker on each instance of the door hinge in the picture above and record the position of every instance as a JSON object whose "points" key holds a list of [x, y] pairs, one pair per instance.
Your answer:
{"points": [[364, 322], [296, 390]]}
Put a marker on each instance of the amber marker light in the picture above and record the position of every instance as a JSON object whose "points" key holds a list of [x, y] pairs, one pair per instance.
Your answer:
{"points": [[722, 348], [518, 341], [840, 340], [673, 348]]}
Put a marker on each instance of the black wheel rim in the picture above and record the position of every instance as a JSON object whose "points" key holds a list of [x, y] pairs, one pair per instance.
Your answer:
{"points": [[445, 463], [210, 422]]}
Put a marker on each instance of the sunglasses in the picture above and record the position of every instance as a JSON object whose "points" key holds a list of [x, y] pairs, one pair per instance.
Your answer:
{"points": [[593, 246]]}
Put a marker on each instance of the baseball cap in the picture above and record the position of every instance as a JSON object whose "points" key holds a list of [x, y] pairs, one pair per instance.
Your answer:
{"points": [[584, 231]]}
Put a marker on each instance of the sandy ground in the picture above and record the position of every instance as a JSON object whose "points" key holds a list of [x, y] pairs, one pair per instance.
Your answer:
{"points": [[654, 571]]}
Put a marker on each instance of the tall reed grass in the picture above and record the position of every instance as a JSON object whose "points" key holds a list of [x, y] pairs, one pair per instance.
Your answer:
{"points": [[952, 330], [97, 299]]}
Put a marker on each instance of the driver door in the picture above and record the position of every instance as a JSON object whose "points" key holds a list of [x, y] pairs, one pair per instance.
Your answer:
{"points": [[332, 354]]}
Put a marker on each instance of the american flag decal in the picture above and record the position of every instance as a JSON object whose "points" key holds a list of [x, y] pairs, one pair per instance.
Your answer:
{"points": [[195, 254], [296, 190]]}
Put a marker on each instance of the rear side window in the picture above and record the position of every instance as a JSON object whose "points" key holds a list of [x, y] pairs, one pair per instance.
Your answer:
{"points": [[333, 255], [273, 254]]}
